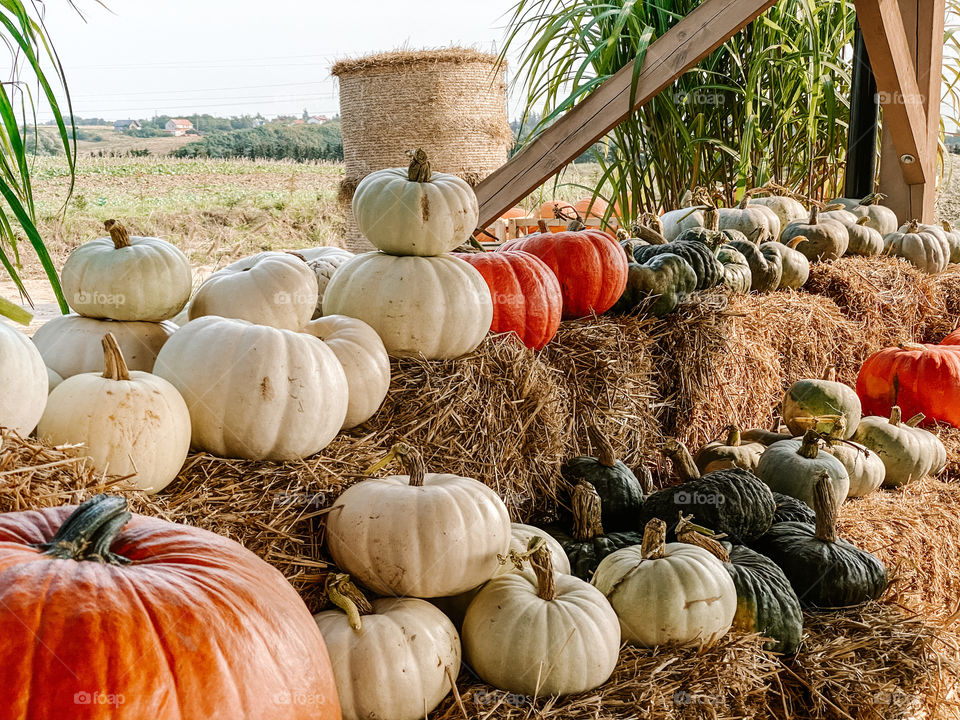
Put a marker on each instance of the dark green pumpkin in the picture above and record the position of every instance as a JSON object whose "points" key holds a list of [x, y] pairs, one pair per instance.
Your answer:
{"points": [[824, 570], [732, 501], [737, 276], [704, 262], [630, 244], [585, 543], [766, 269], [766, 602], [621, 493], [789, 509], [658, 285]]}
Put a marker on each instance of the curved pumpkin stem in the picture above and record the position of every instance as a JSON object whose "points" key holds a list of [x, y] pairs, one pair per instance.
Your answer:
{"points": [[745, 200], [542, 564], [410, 460], [90, 531], [796, 241], [814, 215], [862, 221], [692, 534], [345, 595], [682, 459], [654, 542], [585, 506], [916, 420], [825, 507], [711, 219], [118, 233], [873, 199], [115, 367], [419, 170], [605, 454]]}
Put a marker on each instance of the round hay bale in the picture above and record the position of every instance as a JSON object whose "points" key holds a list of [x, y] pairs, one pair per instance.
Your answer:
{"points": [[450, 102]]}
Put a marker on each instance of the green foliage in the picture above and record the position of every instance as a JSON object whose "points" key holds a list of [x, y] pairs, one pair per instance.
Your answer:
{"points": [[302, 143], [771, 104], [30, 52]]}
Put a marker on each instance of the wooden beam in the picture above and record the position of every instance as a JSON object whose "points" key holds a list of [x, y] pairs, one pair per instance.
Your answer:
{"points": [[923, 21], [901, 98], [694, 37]]}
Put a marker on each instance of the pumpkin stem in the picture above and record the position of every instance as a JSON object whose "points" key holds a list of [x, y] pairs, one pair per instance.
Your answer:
{"points": [[419, 170], [733, 436], [542, 565], [345, 595], [646, 479], [692, 534], [916, 420], [409, 458], [90, 531], [622, 234], [745, 200], [873, 199], [118, 233], [810, 447], [115, 367], [895, 415], [863, 221], [645, 232], [682, 459], [796, 241], [947, 227], [605, 454], [711, 219], [825, 508], [585, 506], [576, 225], [912, 227], [654, 540], [542, 225], [829, 373], [654, 223], [814, 215]]}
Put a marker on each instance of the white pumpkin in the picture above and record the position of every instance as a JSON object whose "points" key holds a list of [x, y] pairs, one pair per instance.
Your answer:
{"points": [[786, 208], [24, 377], [438, 307], [72, 344], [324, 262], [926, 247], [667, 593], [392, 658], [953, 240], [254, 391], [129, 423], [53, 379], [126, 278], [675, 222], [271, 288], [540, 633], [364, 360], [413, 211], [880, 218], [758, 222], [421, 534], [793, 467], [865, 468]]}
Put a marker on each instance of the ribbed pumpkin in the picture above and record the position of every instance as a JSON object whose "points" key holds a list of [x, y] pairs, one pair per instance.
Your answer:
{"points": [[953, 240], [807, 402], [826, 239], [324, 261], [420, 534], [786, 208], [392, 657], [594, 207], [25, 381], [590, 265], [926, 249], [795, 267], [667, 593], [766, 269], [908, 452], [824, 570], [729, 452], [790, 509], [701, 258], [880, 218], [919, 378], [541, 633], [586, 543], [758, 222], [108, 615], [863, 239], [731, 501], [657, 286], [865, 468], [794, 467], [737, 276], [526, 295]]}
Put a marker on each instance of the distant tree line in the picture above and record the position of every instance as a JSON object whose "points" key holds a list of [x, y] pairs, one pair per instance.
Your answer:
{"points": [[273, 141]]}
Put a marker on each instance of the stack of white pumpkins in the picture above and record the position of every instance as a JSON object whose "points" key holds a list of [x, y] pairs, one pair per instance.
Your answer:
{"points": [[104, 403], [532, 629], [421, 300], [262, 379]]}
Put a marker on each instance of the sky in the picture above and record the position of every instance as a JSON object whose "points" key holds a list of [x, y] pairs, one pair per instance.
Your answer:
{"points": [[230, 57]]}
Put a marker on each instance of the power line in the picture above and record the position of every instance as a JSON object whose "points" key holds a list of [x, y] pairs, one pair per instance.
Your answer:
{"points": [[197, 62], [167, 93]]}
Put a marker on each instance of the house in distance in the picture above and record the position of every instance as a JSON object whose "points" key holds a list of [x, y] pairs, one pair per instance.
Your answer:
{"points": [[122, 125], [178, 126]]}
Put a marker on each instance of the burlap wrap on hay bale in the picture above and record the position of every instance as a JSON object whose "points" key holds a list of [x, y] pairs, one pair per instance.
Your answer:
{"points": [[450, 102]]}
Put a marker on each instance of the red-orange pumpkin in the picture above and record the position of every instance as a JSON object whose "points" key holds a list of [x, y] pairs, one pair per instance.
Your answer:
{"points": [[108, 615], [590, 265], [919, 378], [591, 207], [526, 295], [952, 339]]}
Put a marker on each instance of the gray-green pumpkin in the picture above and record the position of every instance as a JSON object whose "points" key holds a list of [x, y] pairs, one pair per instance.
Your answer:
{"points": [[795, 268], [737, 276], [808, 402], [926, 247], [880, 218], [908, 452], [793, 467], [864, 467], [826, 239], [663, 281], [728, 452], [766, 269]]}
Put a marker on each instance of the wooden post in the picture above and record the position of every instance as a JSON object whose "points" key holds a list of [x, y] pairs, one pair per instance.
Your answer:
{"points": [[694, 37], [917, 53]]}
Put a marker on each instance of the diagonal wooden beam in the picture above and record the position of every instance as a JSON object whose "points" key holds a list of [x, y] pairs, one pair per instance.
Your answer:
{"points": [[904, 116], [694, 37]]}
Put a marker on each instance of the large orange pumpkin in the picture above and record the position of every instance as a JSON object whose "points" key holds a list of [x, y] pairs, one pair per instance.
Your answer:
{"points": [[591, 207], [107, 615], [919, 378], [952, 339], [590, 265]]}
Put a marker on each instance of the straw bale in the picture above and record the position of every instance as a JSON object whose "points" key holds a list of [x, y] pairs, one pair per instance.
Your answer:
{"points": [[948, 282]]}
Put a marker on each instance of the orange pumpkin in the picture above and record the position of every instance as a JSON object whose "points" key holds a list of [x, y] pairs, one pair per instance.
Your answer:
{"points": [[560, 211], [591, 207], [490, 234], [952, 339], [108, 615], [919, 378]]}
